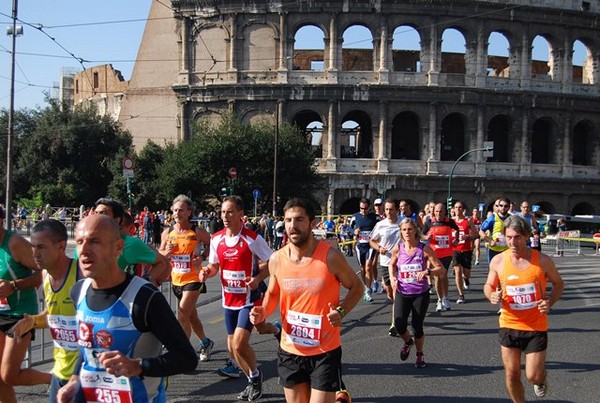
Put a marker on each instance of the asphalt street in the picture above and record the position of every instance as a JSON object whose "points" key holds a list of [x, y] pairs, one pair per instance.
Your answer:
{"points": [[461, 350]]}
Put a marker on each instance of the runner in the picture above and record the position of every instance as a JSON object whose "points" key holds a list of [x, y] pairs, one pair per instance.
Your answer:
{"points": [[523, 273], [476, 220], [408, 270], [363, 223], [406, 212], [123, 325], [491, 228], [384, 237], [527, 215], [181, 245], [305, 281], [463, 252], [49, 241], [236, 251], [439, 231], [17, 298]]}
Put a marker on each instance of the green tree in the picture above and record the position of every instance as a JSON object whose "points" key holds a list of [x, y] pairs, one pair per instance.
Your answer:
{"points": [[67, 157], [201, 165]]}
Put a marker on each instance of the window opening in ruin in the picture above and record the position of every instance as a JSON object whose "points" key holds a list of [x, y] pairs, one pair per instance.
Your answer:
{"points": [[582, 64], [357, 49], [406, 50], [96, 80], [542, 145], [349, 134], [583, 145], [453, 52], [583, 209], [314, 132], [498, 55], [452, 137], [540, 56], [309, 49], [499, 132], [406, 139]]}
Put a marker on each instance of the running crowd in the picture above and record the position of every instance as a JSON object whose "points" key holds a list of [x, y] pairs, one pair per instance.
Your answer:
{"points": [[116, 338]]}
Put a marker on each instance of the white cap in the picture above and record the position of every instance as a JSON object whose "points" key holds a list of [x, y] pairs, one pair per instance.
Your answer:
{"points": [[378, 201]]}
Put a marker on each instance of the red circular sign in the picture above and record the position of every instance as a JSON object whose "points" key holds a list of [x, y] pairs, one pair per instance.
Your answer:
{"points": [[232, 173], [127, 163]]}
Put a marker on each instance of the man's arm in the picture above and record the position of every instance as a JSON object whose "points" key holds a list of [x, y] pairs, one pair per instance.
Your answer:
{"points": [[160, 270], [338, 266], [21, 250], [271, 297], [493, 279], [553, 276]]}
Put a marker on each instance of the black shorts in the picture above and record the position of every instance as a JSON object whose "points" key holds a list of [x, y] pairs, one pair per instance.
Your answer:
{"points": [[385, 274], [528, 342], [446, 262], [8, 321], [179, 289], [322, 372], [462, 258]]}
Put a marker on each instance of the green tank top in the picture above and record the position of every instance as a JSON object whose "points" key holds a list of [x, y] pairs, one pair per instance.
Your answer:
{"points": [[21, 301]]}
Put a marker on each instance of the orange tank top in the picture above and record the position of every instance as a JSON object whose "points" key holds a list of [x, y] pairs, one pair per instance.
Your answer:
{"points": [[521, 291], [305, 293], [182, 271]]}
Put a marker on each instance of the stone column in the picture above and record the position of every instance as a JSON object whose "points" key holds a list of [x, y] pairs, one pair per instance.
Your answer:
{"points": [[567, 155], [525, 62], [525, 161], [232, 65], [567, 66], [434, 56], [480, 165], [382, 144], [333, 66], [282, 70], [384, 53], [433, 157], [330, 153], [482, 58]]}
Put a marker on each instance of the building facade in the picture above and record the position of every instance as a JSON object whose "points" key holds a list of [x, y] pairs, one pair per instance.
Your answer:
{"points": [[386, 120]]}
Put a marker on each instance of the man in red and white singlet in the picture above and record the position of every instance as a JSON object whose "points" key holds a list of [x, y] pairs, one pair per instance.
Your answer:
{"points": [[463, 251], [237, 252], [305, 281]]}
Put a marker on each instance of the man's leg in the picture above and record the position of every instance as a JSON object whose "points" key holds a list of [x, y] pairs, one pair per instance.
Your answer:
{"points": [[299, 393], [187, 304], [12, 357], [458, 279], [511, 358], [319, 396], [535, 367], [242, 351]]}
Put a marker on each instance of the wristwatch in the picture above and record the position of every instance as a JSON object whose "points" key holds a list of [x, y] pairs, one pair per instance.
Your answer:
{"points": [[14, 285]]}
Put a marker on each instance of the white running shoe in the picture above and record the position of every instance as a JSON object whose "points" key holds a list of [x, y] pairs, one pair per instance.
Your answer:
{"points": [[367, 297], [541, 389], [439, 307]]}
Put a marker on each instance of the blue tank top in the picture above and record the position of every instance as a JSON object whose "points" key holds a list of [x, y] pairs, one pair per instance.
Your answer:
{"points": [[408, 267], [109, 330]]}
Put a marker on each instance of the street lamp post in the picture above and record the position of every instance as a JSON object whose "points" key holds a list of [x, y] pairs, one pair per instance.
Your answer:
{"points": [[275, 151], [13, 31], [449, 199]]}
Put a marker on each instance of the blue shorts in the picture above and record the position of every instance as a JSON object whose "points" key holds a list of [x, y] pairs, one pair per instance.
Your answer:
{"points": [[237, 318], [364, 253]]}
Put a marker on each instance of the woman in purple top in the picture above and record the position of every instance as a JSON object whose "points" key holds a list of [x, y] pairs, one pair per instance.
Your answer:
{"points": [[409, 269]]}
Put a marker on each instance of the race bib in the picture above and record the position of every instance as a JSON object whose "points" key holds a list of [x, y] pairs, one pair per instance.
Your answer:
{"points": [[63, 330], [500, 240], [408, 272], [534, 241], [234, 282], [4, 305], [100, 386], [461, 240], [303, 329], [364, 236], [181, 263], [442, 241], [521, 297]]}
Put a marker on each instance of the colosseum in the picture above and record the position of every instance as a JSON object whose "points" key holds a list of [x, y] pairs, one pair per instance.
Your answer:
{"points": [[391, 113]]}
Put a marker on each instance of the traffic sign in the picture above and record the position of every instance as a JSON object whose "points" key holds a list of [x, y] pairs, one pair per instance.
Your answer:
{"points": [[233, 173], [127, 173], [256, 194], [127, 163]]}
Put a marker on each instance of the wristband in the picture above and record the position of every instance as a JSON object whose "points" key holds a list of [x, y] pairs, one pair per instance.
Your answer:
{"points": [[14, 285], [39, 322], [428, 271], [341, 311]]}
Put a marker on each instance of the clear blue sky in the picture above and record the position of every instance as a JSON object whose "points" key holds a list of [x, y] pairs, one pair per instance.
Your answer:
{"points": [[99, 31]]}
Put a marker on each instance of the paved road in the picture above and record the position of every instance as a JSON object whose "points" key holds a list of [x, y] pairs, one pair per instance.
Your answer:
{"points": [[461, 350]]}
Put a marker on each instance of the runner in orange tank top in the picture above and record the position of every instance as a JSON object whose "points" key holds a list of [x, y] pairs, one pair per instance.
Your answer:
{"points": [[305, 281], [522, 274]]}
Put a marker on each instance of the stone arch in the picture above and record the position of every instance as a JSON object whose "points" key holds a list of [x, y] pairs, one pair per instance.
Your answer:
{"points": [[583, 208], [349, 206], [544, 142], [259, 48], [498, 51], [406, 49], [357, 123], [208, 46], [453, 132], [212, 117], [357, 48], [583, 146], [253, 116], [308, 51], [453, 51], [541, 65], [499, 130], [310, 125], [545, 207], [582, 63], [406, 136]]}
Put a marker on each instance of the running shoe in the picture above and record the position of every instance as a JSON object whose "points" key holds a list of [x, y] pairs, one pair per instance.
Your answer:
{"points": [[229, 370], [476, 262], [205, 350], [461, 299], [541, 389], [406, 349], [431, 291], [393, 332], [254, 389], [420, 363], [466, 283], [367, 297], [446, 304], [343, 396], [375, 286], [439, 307]]}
